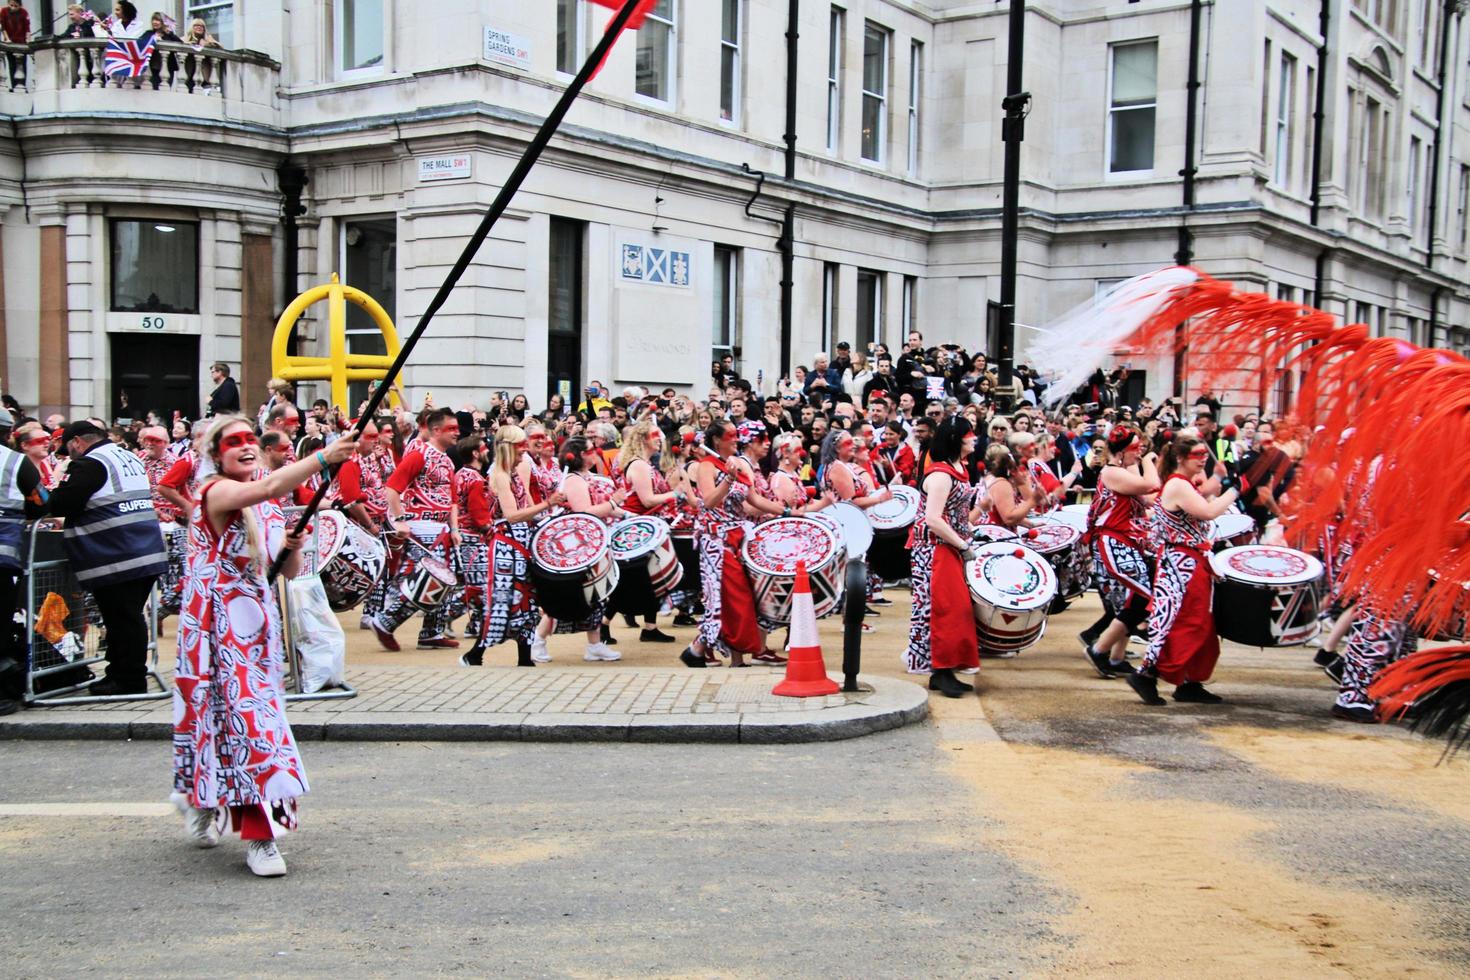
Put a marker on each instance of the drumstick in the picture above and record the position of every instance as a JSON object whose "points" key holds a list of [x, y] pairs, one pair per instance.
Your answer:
{"points": [[498, 207]]}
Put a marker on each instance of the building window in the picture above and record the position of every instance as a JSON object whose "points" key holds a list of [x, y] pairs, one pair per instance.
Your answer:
{"points": [[725, 335], [369, 261], [730, 26], [218, 17], [1411, 183], [155, 266], [830, 273], [654, 71], [834, 79], [910, 313], [569, 20], [1463, 214], [1384, 13], [916, 75], [1132, 104], [1285, 120], [360, 34], [564, 310], [1371, 146], [869, 308], [1266, 103], [875, 92]]}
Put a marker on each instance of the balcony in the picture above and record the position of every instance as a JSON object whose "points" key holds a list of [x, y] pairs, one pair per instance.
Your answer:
{"points": [[65, 77]]}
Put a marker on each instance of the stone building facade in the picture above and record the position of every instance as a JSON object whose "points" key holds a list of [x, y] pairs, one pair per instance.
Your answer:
{"points": [[143, 234]]}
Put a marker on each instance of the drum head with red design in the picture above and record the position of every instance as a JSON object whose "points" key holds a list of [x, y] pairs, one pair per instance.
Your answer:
{"points": [[635, 537], [1050, 538], [1011, 577], [899, 511], [992, 532], [1266, 564], [774, 547], [569, 543]]}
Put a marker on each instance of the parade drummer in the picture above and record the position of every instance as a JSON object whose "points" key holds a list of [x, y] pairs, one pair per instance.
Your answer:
{"points": [[512, 613], [421, 490], [1010, 494], [472, 495], [1116, 528], [846, 480], [360, 492], [786, 482], [157, 461], [647, 491], [1035, 455], [942, 634], [233, 748], [761, 504], [729, 626], [595, 498], [1182, 645], [180, 485], [678, 466]]}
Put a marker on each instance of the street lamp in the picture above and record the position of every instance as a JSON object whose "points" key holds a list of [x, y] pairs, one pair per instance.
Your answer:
{"points": [[1015, 105]]}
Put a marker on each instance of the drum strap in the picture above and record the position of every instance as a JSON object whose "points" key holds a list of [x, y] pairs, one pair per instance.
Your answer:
{"points": [[500, 534]]}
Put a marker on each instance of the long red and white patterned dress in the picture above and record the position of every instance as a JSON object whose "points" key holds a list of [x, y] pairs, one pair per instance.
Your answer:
{"points": [[942, 631], [511, 613], [232, 744], [1181, 624], [729, 621], [600, 490]]}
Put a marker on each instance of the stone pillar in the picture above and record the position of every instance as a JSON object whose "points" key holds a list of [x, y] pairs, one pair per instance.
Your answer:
{"points": [[257, 313], [55, 352], [5, 384]]}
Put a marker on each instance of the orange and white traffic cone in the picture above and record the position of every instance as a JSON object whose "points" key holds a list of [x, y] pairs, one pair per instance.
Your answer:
{"points": [[806, 674]]}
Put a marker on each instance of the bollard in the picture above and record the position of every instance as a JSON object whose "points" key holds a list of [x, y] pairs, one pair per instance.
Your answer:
{"points": [[853, 610]]}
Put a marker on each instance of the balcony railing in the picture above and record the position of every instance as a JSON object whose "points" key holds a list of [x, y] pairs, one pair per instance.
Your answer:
{"points": [[68, 76]]}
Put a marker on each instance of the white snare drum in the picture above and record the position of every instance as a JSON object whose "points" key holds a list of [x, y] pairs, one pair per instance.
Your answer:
{"points": [[992, 532], [647, 539], [430, 583], [1080, 510], [1267, 595], [770, 554], [1058, 543], [1065, 515], [824, 517], [572, 566], [857, 533], [349, 559], [1011, 589], [893, 521], [1233, 530]]}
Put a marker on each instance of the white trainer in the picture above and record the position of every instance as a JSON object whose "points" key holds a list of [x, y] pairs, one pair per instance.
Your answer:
{"points": [[601, 651], [265, 859], [365, 623], [200, 824], [539, 653], [967, 670]]}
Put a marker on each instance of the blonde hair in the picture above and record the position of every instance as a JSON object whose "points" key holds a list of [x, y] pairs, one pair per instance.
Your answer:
{"points": [[635, 444], [209, 443], [1020, 440], [506, 439], [786, 440]]}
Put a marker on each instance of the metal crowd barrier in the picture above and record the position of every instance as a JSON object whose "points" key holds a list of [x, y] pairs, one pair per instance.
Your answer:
{"points": [[48, 572], [288, 625]]}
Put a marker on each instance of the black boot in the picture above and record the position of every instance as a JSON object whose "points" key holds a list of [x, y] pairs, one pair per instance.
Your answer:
{"points": [[473, 657], [1194, 692], [684, 619], [523, 654], [690, 658], [607, 636], [944, 681], [652, 634], [1146, 686]]}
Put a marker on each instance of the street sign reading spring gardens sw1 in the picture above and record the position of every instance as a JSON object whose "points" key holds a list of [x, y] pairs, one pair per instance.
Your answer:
{"points": [[507, 49]]}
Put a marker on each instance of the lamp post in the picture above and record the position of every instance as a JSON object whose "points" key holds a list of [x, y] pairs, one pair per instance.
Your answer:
{"points": [[1013, 132]]}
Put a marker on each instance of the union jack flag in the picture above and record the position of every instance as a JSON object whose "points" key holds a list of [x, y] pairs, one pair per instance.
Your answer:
{"points": [[127, 57]]}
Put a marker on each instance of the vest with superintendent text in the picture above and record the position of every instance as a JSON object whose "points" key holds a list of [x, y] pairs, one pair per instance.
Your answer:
{"points": [[116, 538], [12, 510]]}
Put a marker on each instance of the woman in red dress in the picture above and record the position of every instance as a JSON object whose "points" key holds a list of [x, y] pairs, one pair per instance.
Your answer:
{"points": [[1182, 646], [232, 746], [942, 633], [647, 491], [1116, 529]]}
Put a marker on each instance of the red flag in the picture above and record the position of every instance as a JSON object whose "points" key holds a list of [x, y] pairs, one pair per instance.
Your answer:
{"points": [[640, 13]]}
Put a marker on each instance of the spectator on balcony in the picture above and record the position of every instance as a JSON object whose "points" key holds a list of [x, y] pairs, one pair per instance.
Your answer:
{"points": [[197, 69], [123, 23], [77, 25], [198, 35], [15, 23], [162, 27]]}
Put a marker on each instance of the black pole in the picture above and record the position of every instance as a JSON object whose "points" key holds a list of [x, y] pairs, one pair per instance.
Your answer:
{"points": [[788, 221], [1451, 8], [292, 181], [1185, 253], [1012, 133], [497, 208], [1319, 131]]}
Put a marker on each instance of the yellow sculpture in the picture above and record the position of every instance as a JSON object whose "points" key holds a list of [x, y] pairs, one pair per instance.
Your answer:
{"points": [[339, 366]]}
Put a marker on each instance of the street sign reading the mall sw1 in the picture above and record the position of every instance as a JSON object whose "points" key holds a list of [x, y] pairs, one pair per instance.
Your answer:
{"points": [[453, 166]]}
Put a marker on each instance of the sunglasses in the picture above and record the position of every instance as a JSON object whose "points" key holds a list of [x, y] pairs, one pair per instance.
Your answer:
{"points": [[235, 440]]}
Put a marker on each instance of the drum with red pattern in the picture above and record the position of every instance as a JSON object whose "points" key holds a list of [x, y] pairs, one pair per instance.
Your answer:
{"points": [[647, 539], [1267, 596], [349, 559], [1059, 543], [1011, 589], [572, 566], [771, 552]]}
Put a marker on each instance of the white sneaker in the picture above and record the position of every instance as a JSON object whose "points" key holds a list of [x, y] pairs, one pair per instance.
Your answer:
{"points": [[365, 623], [967, 670], [599, 651], [539, 653], [264, 859], [200, 824]]}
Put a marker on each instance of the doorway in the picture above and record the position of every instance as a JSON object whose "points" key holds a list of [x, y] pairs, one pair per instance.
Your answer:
{"points": [[154, 372]]}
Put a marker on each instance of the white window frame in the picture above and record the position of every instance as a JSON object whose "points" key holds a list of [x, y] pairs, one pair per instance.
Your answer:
{"points": [[579, 36], [671, 41], [1411, 183], [1463, 215], [831, 281], [732, 46], [836, 55], [196, 8], [339, 19], [732, 305], [1108, 170], [909, 305], [881, 97], [916, 82], [1285, 122]]}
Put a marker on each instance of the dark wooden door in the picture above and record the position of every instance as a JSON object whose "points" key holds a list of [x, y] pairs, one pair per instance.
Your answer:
{"points": [[158, 373]]}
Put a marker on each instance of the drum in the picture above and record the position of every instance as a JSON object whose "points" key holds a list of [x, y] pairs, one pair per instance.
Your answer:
{"points": [[992, 532], [857, 533], [429, 584], [1233, 529], [647, 540], [893, 521], [572, 566], [824, 517], [770, 554], [349, 559], [1011, 589], [1067, 516], [1267, 596], [1059, 544]]}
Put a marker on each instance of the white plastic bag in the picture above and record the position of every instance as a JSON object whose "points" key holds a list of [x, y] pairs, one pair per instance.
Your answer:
{"points": [[320, 642]]}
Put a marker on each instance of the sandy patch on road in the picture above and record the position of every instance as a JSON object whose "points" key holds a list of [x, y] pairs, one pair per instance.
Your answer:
{"points": [[494, 854], [1173, 886]]}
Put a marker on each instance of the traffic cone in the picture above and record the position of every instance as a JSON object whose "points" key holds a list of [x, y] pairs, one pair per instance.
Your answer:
{"points": [[806, 675]]}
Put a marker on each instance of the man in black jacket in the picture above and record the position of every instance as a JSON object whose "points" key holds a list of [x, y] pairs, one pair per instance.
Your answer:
{"points": [[226, 396]]}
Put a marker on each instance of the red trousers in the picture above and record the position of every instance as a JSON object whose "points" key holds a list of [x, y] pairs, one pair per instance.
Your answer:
{"points": [[952, 639]]}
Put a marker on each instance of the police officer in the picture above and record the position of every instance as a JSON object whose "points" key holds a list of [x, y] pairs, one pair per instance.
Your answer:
{"points": [[114, 544], [21, 496]]}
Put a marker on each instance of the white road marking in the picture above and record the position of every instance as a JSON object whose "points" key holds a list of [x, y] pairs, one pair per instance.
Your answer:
{"points": [[86, 809]]}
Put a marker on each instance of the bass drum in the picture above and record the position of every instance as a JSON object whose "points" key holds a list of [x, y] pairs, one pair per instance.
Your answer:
{"points": [[1059, 544], [857, 533], [1011, 589], [771, 552], [893, 522], [572, 567], [349, 559], [1233, 530], [1267, 596], [643, 548]]}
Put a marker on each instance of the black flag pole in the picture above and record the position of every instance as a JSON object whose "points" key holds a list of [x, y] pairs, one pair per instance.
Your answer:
{"points": [[497, 208]]}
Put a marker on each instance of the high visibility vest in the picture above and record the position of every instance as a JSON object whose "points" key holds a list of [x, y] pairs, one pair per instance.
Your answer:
{"points": [[116, 537], [12, 510]]}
